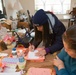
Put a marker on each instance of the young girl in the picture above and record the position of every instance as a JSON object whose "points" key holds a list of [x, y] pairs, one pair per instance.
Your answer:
{"points": [[49, 29], [65, 61]]}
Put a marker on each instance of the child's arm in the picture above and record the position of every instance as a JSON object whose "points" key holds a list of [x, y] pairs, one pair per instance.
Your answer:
{"points": [[60, 68], [63, 72], [62, 54]]}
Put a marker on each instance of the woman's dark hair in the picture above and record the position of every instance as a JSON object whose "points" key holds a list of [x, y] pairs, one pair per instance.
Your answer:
{"points": [[70, 37], [44, 35]]}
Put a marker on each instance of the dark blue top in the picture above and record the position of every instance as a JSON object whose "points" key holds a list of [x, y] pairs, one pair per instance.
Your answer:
{"points": [[69, 62], [58, 29]]}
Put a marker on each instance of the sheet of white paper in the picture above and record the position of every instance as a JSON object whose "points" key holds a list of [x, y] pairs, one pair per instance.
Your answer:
{"points": [[31, 55], [13, 73], [9, 70]]}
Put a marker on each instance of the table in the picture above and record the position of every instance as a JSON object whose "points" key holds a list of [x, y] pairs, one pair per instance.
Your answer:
{"points": [[19, 25], [23, 24], [6, 25], [48, 63]]}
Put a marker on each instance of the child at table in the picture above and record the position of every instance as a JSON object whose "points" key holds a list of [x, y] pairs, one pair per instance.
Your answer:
{"points": [[65, 61]]}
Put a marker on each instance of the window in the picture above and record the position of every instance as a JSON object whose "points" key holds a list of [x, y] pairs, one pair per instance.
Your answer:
{"points": [[56, 6]]}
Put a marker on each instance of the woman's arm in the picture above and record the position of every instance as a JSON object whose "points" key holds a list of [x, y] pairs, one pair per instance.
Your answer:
{"points": [[59, 29]]}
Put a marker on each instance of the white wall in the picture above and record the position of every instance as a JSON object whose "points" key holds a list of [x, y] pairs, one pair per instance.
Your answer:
{"points": [[28, 5], [9, 7], [12, 6]]}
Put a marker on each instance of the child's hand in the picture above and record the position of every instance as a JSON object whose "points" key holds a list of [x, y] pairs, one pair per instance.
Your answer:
{"points": [[31, 47], [58, 63], [41, 52]]}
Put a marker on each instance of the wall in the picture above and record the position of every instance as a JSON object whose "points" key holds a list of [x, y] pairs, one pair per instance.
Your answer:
{"points": [[28, 5], [12, 6], [9, 7]]}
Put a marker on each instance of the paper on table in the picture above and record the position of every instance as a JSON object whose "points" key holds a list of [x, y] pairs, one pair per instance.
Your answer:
{"points": [[9, 70], [39, 71], [14, 73], [3, 54], [31, 55]]}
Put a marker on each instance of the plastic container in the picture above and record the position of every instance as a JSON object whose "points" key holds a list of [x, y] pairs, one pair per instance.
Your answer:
{"points": [[21, 63], [32, 59], [14, 53], [10, 62]]}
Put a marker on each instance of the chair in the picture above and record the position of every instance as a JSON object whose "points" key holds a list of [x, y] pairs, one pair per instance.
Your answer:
{"points": [[23, 24], [6, 25], [30, 20], [72, 21]]}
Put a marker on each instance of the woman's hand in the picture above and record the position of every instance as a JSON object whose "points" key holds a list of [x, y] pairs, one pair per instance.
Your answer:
{"points": [[41, 52], [58, 63], [31, 47]]}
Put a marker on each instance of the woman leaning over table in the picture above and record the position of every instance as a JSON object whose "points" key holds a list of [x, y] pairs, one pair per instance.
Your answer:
{"points": [[49, 29], [65, 61]]}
